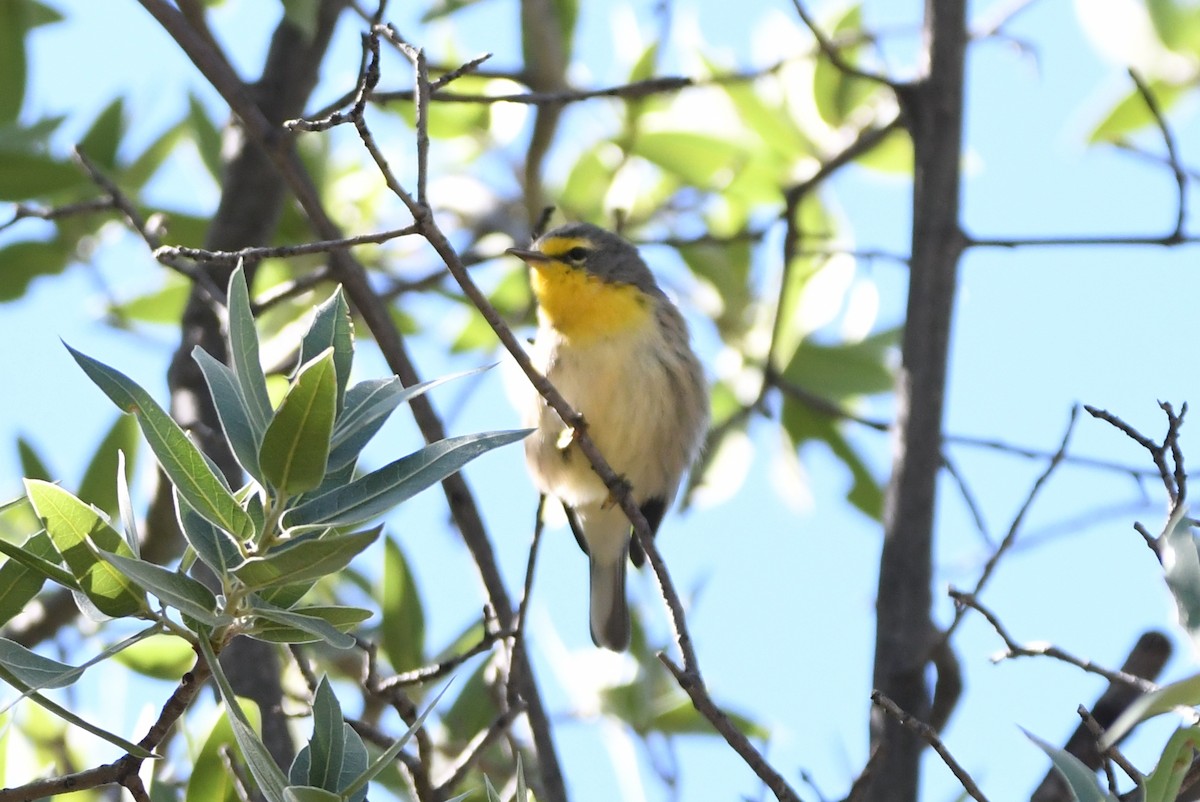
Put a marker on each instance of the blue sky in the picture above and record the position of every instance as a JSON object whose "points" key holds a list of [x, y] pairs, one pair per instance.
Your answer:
{"points": [[781, 601]]}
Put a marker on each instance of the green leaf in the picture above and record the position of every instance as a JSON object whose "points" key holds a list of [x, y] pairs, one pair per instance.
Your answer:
{"points": [[102, 139], [210, 780], [307, 793], [342, 619], [772, 124], [304, 560], [165, 657], [71, 718], [22, 262], [262, 766], [243, 353], [1163, 784], [474, 709], [206, 136], [326, 748], [804, 424], [836, 93], [300, 619], [179, 457], [125, 508], [231, 411], [379, 491], [98, 486], [331, 328], [1177, 24], [19, 583], [1184, 693], [163, 305], [702, 160], [389, 754], [46, 565], [587, 184], [145, 165], [1079, 777], [26, 174], [215, 547], [1132, 114], [838, 372], [33, 670], [725, 266], [1181, 568], [32, 464], [403, 633], [368, 405], [295, 447], [302, 14], [172, 588], [82, 537], [12, 59]]}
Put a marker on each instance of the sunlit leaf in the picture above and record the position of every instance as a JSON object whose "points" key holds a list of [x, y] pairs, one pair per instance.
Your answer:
{"points": [[179, 457], [1162, 784], [331, 328], [19, 583], [372, 495], [164, 657], [1131, 113], [305, 560], [342, 619], [295, 447], [101, 140], [82, 537], [209, 780], [302, 620], [173, 588]]}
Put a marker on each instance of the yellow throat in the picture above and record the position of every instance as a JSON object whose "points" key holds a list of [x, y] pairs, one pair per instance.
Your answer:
{"points": [[583, 307]]}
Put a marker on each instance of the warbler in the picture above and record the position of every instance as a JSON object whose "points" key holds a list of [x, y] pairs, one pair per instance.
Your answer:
{"points": [[618, 350]]}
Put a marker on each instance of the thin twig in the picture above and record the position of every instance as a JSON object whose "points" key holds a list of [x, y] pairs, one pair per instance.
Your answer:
{"points": [[833, 53], [469, 757], [1172, 154], [929, 736], [280, 251], [1111, 753], [1014, 649]]}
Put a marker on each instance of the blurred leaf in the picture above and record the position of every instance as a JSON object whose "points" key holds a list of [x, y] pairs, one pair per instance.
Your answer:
{"points": [[474, 709], [773, 125], [402, 637], [145, 165], [179, 457], [206, 137], [681, 718], [209, 780], [17, 18], [71, 718], [26, 173], [302, 620], [163, 656], [1181, 568], [302, 14], [1080, 778], [101, 141], [243, 354], [454, 120], [699, 159], [295, 447], [98, 486], [32, 465], [231, 411], [215, 547], [172, 588], [1177, 24], [82, 537], [1132, 114], [262, 766], [372, 495], [837, 372], [1163, 784], [332, 328], [804, 424], [35, 672], [163, 305], [726, 266], [836, 93], [582, 196], [305, 560], [19, 583], [443, 8], [893, 155], [23, 261], [342, 619]]}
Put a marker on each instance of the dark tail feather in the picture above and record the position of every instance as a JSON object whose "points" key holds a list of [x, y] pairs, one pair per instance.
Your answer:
{"points": [[609, 609]]}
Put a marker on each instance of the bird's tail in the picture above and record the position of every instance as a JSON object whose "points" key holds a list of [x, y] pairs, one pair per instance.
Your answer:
{"points": [[607, 534]]}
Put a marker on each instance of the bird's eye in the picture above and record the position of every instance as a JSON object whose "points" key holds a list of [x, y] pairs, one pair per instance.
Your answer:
{"points": [[577, 254]]}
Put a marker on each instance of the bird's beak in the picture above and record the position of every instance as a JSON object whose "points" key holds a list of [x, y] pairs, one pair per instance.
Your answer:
{"points": [[528, 256]]}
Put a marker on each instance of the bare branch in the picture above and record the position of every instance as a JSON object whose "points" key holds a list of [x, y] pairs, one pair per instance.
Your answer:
{"points": [[929, 736], [1172, 154]]}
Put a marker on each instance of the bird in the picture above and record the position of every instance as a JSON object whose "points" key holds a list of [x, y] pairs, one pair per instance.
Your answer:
{"points": [[618, 350]]}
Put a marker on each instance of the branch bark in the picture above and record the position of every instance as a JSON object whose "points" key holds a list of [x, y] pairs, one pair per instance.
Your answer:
{"points": [[934, 107]]}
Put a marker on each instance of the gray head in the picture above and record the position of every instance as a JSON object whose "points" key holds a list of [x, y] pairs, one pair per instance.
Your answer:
{"points": [[591, 248]]}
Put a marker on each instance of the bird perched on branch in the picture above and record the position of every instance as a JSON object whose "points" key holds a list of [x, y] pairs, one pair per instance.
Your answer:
{"points": [[618, 350]]}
